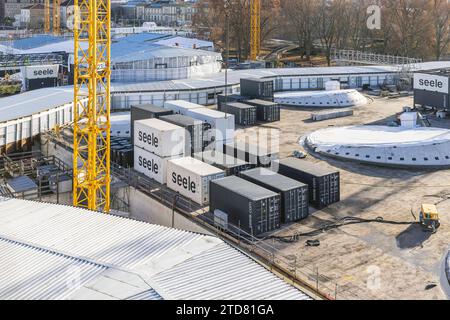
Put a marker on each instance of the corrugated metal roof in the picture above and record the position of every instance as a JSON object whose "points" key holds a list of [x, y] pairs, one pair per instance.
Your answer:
{"points": [[124, 259], [35, 273], [218, 80], [35, 101], [141, 46]]}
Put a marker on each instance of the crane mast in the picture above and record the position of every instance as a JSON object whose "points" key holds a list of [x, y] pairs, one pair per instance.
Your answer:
{"points": [[91, 161], [255, 28], [56, 17], [47, 16]]}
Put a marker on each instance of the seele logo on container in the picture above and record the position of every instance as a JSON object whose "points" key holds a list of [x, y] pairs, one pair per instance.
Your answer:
{"points": [[150, 165], [184, 182]]}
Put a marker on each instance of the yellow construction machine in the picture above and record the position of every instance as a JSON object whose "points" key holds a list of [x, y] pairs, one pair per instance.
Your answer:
{"points": [[429, 217]]}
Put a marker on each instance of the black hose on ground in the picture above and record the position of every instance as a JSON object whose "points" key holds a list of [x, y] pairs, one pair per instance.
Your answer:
{"points": [[335, 225]]}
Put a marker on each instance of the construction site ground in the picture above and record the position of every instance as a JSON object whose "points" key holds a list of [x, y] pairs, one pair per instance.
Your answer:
{"points": [[368, 261]]}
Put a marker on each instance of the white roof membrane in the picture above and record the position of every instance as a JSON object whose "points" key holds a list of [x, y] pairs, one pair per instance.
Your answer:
{"points": [[394, 146]]}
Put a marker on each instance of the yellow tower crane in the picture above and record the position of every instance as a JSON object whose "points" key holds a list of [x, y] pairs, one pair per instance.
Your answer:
{"points": [[91, 161], [47, 16], [56, 17], [255, 29]]}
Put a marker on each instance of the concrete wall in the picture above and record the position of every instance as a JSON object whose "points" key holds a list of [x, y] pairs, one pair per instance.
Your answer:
{"points": [[142, 207], [51, 148], [145, 208]]}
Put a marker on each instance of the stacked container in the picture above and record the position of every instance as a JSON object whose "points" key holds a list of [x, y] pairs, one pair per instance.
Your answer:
{"points": [[294, 194], [257, 88], [244, 114], [252, 153], [229, 164], [146, 111], [191, 178], [156, 142], [221, 100], [181, 106], [266, 111], [324, 184], [121, 151], [222, 125], [253, 208], [194, 131]]}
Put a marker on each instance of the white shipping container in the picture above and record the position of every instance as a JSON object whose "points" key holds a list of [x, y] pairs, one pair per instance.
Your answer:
{"points": [[160, 137], [190, 177], [181, 106], [151, 165], [222, 124]]}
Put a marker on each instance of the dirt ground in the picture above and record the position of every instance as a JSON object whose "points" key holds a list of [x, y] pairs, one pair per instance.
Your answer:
{"points": [[370, 261]]}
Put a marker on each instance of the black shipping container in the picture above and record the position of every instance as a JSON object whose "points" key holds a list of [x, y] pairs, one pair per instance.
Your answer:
{"points": [[146, 111], [229, 164], [33, 84], [294, 194], [244, 115], [266, 111], [324, 184], [257, 88], [253, 208], [195, 128], [230, 98], [254, 154]]}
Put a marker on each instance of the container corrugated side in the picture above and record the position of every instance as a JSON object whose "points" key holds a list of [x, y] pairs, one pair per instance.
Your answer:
{"points": [[181, 106], [229, 164], [252, 153], [248, 206], [160, 137], [142, 112], [222, 125], [191, 177], [244, 115], [324, 184], [151, 165], [294, 194], [194, 128]]}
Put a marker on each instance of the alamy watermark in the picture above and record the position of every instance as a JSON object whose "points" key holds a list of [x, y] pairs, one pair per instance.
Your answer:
{"points": [[374, 19]]}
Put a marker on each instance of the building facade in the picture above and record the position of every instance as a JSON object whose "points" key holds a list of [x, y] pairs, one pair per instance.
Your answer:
{"points": [[13, 8]]}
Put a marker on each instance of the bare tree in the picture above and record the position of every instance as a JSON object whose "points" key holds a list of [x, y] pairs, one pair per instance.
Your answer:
{"points": [[299, 16], [440, 13], [327, 21]]}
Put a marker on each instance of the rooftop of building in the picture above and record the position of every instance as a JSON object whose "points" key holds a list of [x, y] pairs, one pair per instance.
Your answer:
{"points": [[133, 47], [58, 252], [35, 101]]}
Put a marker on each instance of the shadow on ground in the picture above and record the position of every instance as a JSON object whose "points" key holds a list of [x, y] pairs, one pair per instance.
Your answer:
{"points": [[414, 236]]}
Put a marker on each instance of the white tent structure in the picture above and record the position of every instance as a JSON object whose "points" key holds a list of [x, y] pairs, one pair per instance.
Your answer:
{"points": [[392, 146], [322, 99]]}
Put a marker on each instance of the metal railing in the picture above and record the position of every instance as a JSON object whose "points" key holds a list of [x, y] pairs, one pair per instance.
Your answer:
{"points": [[292, 268], [371, 58]]}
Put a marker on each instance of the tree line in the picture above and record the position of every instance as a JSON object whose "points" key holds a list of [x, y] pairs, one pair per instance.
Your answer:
{"points": [[410, 28]]}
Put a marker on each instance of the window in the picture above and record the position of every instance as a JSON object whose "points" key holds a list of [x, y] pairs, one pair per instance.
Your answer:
{"points": [[356, 155], [436, 158], [367, 156], [378, 157], [414, 159], [426, 159], [402, 159], [390, 158], [161, 66]]}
